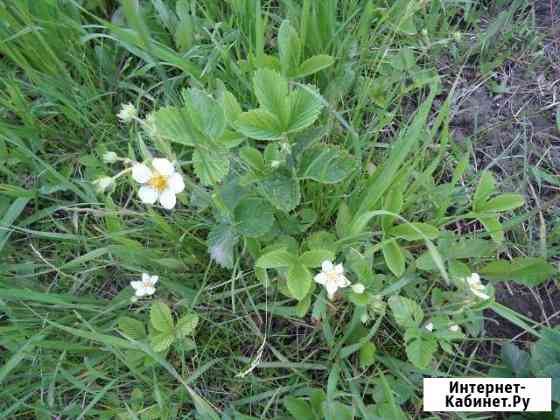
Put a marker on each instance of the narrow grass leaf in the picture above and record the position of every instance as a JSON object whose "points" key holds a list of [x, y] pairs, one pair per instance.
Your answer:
{"points": [[16, 358], [9, 218], [399, 152]]}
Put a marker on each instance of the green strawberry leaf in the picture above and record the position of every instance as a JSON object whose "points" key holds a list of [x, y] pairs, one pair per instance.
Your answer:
{"points": [[305, 106], [132, 328], [160, 317], [326, 164], [394, 257], [281, 190], [259, 124], [315, 257], [186, 325], [406, 312], [211, 165], [299, 280], [161, 341], [276, 259], [254, 217]]}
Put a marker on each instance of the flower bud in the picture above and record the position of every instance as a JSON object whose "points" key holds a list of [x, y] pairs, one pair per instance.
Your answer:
{"points": [[127, 113], [358, 288], [110, 157], [101, 184]]}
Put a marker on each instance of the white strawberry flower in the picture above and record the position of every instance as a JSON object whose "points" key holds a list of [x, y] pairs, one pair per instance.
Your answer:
{"points": [[476, 286], [332, 277], [146, 287], [454, 328], [159, 183], [127, 113], [429, 326]]}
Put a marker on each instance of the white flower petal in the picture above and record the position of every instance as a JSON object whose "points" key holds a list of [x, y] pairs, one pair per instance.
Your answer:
{"points": [[342, 281], [140, 292], [327, 266], [167, 199], [321, 278], [141, 173], [480, 294], [145, 277], [454, 328], [339, 269], [331, 287], [472, 283], [154, 279], [137, 285], [176, 183], [163, 166], [429, 326], [147, 194], [150, 290], [127, 113]]}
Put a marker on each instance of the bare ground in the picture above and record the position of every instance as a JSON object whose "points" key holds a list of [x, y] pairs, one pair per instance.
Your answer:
{"points": [[509, 118]]}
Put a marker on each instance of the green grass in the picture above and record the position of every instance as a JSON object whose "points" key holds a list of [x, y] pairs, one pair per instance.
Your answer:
{"points": [[389, 102]]}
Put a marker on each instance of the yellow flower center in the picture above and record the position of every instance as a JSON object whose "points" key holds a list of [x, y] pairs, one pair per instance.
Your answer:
{"points": [[158, 182], [332, 276], [147, 284]]}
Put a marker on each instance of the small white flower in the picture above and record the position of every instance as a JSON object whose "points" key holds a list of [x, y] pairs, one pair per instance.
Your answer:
{"points": [[146, 287], [477, 288], [101, 184], [127, 113], [358, 288], [161, 182], [429, 326], [110, 157], [332, 277], [454, 328]]}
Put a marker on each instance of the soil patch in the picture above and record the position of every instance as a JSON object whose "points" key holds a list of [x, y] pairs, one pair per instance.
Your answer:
{"points": [[540, 304], [513, 129]]}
